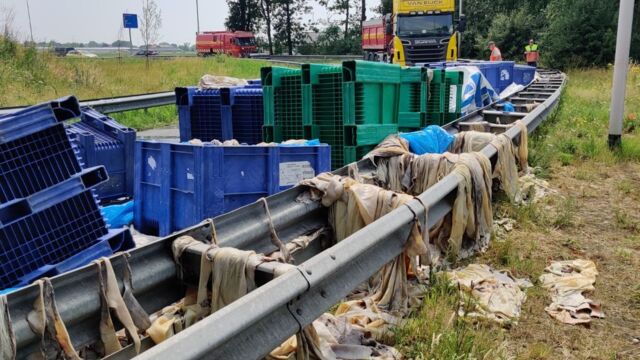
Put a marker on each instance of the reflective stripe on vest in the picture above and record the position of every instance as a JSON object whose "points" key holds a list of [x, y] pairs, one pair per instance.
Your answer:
{"points": [[532, 53]]}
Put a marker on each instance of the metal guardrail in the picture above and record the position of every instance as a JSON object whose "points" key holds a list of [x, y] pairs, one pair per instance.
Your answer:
{"points": [[271, 313], [119, 104]]}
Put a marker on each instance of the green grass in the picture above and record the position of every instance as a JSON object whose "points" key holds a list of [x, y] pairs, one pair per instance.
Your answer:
{"points": [[578, 131], [28, 77], [436, 331]]}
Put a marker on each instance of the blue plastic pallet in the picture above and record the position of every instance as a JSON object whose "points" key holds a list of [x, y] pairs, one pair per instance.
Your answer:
{"points": [[221, 114], [113, 242], [179, 185], [101, 140], [524, 74], [50, 226], [35, 152]]}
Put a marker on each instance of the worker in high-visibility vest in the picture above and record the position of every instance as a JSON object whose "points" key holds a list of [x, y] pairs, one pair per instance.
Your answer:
{"points": [[496, 55], [531, 53]]}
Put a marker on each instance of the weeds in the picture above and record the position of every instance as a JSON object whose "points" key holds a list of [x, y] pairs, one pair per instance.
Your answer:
{"points": [[635, 297], [566, 212], [436, 331], [625, 222]]}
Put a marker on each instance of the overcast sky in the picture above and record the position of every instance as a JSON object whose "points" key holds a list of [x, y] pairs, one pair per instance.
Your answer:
{"points": [[100, 20]]}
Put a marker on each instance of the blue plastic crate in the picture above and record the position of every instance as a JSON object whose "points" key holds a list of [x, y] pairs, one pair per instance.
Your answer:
{"points": [[524, 74], [50, 226], [35, 152], [506, 74], [101, 140], [221, 114], [246, 114], [35, 118], [113, 242], [179, 185]]}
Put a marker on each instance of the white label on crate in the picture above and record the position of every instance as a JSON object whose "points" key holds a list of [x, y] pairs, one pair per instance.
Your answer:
{"points": [[152, 162], [453, 98], [292, 173]]}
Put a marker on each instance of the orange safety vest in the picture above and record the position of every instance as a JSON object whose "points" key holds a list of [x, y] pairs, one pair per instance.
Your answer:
{"points": [[496, 55], [531, 52]]}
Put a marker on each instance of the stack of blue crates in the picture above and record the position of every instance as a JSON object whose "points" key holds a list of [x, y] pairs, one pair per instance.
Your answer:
{"points": [[178, 185], [500, 74], [524, 74], [221, 114], [50, 220], [101, 140]]}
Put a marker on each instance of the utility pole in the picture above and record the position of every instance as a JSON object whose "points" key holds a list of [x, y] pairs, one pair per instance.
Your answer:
{"points": [[620, 72], [198, 16], [460, 15], [30, 27]]}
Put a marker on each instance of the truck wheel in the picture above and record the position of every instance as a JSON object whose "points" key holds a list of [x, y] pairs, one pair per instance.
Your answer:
{"points": [[376, 58], [384, 58]]}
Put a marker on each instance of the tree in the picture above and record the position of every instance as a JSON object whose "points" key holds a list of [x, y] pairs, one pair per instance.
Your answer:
{"points": [[288, 26], [511, 31], [580, 33], [244, 15], [385, 7], [340, 7], [150, 24], [265, 11]]}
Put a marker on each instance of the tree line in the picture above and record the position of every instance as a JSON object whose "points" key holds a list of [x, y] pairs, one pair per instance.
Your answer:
{"points": [[571, 33]]}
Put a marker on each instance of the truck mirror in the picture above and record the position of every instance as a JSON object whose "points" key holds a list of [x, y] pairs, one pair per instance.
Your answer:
{"points": [[388, 29], [462, 24]]}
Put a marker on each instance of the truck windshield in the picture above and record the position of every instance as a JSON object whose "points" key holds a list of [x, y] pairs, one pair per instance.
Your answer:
{"points": [[425, 25], [246, 41]]}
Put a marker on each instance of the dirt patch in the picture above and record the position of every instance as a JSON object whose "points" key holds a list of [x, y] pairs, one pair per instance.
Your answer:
{"points": [[595, 216]]}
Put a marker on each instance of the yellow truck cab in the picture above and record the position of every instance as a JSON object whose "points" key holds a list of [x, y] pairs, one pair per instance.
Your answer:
{"points": [[425, 31]]}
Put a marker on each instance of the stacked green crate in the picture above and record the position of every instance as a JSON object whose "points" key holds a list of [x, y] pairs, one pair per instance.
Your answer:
{"points": [[411, 115], [454, 81], [444, 95], [322, 114], [282, 102], [434, 106], [371, 95]]}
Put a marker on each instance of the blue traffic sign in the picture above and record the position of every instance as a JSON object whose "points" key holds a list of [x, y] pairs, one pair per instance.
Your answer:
{"points": [[130, 21]]}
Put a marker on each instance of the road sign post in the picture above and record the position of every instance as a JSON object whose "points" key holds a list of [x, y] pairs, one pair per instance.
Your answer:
{"points": [[130, 21]]}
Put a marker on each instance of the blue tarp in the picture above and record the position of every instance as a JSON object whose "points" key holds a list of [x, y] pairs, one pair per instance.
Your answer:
{"points": [[430, 140], [119, 215]]}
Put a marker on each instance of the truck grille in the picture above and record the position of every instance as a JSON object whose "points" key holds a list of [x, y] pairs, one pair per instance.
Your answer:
{"points": [[426, 53]]}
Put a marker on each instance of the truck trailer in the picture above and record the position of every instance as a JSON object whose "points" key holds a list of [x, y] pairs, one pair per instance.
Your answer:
{"points": [[232, 43], [417, 31]]}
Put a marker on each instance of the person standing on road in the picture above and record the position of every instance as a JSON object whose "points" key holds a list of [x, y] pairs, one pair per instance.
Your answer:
{"points": [[496, 55], [531, 53]]}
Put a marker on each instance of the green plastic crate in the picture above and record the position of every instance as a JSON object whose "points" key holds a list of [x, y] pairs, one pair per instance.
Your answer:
{"points": [[322, 113], [371, 93], [444, 97], [454, 81], [282, 103], [410, 114]]}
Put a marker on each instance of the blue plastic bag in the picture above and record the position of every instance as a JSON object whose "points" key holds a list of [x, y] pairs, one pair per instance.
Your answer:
{"points": [[508, 107], [313, 142], [120, 215], [430, 140]]}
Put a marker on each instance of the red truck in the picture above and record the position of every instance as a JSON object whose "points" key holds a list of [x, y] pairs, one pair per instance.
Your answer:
{"points": [[232, 43], [377, 38]]}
